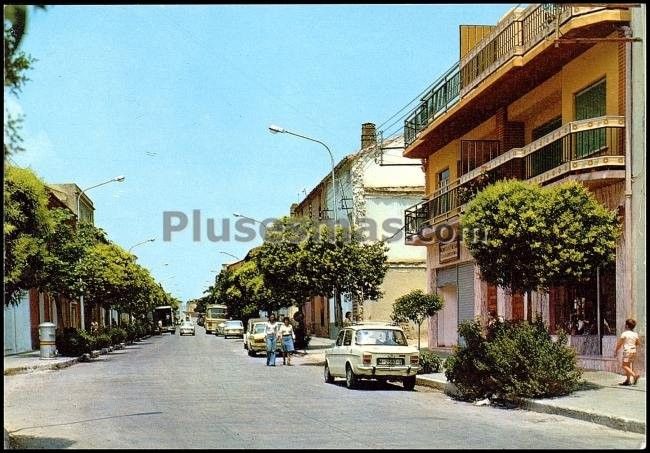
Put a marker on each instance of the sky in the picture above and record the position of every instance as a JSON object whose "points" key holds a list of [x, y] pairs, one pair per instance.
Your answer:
{"points": [[178, 99]]}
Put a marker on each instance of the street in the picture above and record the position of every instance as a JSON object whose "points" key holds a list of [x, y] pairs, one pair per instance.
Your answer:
{"points": [[205, 392]]}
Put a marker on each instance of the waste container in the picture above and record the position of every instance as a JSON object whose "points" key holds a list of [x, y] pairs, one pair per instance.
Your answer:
{"points": [[47, 340]]}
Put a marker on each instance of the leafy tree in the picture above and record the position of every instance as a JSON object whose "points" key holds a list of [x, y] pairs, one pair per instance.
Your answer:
{"points": [[416, 306], [27, 225], [17, 63], [344, 266], [538, 236]]}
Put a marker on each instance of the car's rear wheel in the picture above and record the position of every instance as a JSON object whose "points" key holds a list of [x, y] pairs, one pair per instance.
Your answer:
{"points": [[351, 380], [409, 382], [329, 379]]}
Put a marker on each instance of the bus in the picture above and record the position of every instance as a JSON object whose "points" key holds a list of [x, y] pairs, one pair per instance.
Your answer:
{"points": [[214, 315]]}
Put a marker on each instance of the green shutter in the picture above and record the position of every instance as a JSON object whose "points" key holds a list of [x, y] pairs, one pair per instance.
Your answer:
{"points": [[590, 103]]}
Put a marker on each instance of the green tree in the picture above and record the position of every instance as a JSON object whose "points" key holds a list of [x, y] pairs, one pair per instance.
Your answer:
{"points": [[536, 237], [16, 65], [416, 306], [27, 225]]}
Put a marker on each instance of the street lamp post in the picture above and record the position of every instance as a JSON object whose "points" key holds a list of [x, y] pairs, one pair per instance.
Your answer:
{"points": [[81, 298], [229, 254], [280, 130], [277, 129], [140, 243]]}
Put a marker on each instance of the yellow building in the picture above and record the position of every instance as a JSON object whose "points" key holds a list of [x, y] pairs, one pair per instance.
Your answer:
{"points": [[533, 99]]}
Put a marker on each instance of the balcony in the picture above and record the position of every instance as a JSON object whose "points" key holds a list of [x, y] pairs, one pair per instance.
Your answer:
{"points": [[579, 147], [515, 36]]}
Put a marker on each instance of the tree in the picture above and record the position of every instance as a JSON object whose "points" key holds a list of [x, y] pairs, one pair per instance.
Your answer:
{"points": [[27, 224], [16, 64], [537, 237], [416, 306], [343, 265]]}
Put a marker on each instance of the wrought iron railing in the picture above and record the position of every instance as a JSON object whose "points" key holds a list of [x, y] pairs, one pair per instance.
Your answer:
{"points": [[514, 36], [579, 145]]}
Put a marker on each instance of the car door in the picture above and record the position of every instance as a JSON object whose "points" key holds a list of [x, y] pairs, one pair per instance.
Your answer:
{"points": [[346, 349], [334, 356]]}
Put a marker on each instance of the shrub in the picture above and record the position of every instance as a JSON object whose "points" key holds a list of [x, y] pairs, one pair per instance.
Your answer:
{"points": [[131, 332], [102, 341], [429, 362], [74, 342], [117, 334], [512, 360]]}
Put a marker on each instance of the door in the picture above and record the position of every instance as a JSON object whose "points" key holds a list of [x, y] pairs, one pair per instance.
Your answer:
{"points": [[590, 103], [448, 317], [17, 327], [334, 357]]}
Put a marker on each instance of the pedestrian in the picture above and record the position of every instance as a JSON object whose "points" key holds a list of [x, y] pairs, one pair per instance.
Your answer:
{"points": [[629, 340], [348, 319], [287, 337], [271, 334]]}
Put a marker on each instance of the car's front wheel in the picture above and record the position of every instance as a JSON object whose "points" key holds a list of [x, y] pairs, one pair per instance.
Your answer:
{"points": [[251, 353], [329, 379], [351, 380], [409, 382]]}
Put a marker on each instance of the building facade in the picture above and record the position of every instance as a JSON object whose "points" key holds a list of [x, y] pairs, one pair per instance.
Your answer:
{"points": [[374, 186], [540, 96]]}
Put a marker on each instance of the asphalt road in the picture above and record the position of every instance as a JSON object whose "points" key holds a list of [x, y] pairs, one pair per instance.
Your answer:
{"points": [[205, 392]]}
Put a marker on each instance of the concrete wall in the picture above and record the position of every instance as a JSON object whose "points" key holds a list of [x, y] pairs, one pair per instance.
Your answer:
{"points": [[638, 167], [17, 337]]}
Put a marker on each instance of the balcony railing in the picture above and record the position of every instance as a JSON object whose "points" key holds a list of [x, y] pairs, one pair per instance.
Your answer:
{"points": [[579, 145], [514, 36]]}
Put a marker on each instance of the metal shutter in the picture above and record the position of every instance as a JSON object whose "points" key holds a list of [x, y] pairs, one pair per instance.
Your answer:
{"points": [[465, 292], [447, 277]]}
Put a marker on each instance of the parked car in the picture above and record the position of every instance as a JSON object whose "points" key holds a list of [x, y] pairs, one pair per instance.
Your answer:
{"points": [[187, 328], [249, 329], [257, 339], [372, 351], [233, 329]]}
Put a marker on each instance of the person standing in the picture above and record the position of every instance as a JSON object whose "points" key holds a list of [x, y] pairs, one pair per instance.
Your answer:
{"points": [[348, 319], [287, 337], [629, 340], [271, 334]]}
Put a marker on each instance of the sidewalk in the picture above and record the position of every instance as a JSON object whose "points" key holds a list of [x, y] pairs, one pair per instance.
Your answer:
{"points": [[603, 401], [31, 361]]}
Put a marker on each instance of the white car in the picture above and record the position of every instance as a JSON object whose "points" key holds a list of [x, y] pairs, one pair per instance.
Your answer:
{"points": [[372, 351], [187, 328], [233, 329]]}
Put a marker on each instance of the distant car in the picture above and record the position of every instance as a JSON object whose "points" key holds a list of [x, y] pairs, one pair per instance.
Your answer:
{"points": [[249, 329], [367, 351], [233, 329], [187, 328]]}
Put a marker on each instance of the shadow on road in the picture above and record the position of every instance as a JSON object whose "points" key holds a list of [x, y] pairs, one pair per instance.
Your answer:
{"points": [[373, 385], [29, 442]]}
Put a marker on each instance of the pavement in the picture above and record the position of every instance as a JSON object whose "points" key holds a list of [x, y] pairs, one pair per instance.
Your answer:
{"points": [[601, 401], [28, 362]]}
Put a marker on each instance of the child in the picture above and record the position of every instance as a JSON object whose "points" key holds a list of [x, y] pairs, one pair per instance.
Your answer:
{"points": [[629, 340]]}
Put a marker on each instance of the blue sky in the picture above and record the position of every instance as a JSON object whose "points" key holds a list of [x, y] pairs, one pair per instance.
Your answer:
{"points": [[178, 99]]}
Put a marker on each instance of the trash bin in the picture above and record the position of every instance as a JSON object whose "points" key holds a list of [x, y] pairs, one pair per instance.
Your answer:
{"points": [[47, 340]]}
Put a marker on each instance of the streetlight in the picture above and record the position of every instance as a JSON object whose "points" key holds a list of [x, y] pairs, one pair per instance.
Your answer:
{"points": [[140, 243], [280, 130], [236, 214], [229, 254], [81, 298]]}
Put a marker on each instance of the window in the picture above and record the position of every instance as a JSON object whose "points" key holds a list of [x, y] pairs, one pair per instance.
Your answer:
{"points": [[590, 103], [348, 337], [339, 339], [442, 183], [386, 337], [550, 156]]}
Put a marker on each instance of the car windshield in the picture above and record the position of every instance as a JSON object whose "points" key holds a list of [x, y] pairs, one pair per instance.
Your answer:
{"points": [[387, 337], [233, 324], [258, 328]]}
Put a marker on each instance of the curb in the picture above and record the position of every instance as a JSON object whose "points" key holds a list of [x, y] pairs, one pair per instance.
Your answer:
{"points": [[618, 423], [30, 368]]}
